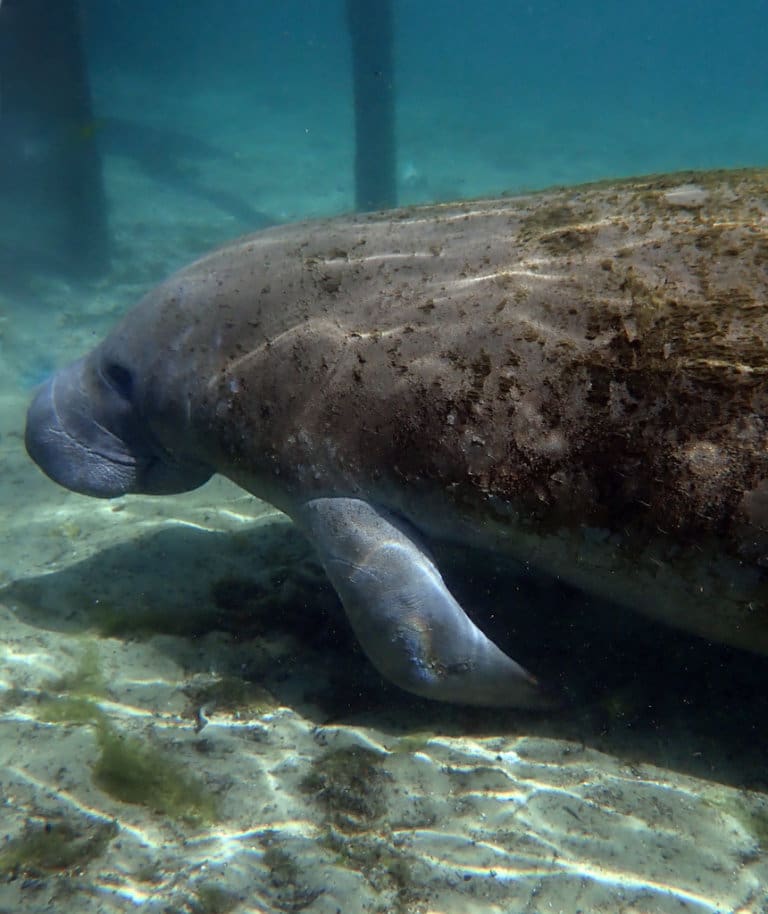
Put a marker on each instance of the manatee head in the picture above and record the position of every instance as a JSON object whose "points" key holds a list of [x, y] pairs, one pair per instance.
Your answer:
{"points": [[91, 429]]}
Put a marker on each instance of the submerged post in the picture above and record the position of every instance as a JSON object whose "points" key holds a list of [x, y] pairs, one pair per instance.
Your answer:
{"points": [[371, 31], [50, 165]]}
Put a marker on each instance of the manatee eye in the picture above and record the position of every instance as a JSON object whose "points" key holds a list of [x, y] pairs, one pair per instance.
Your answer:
{"points": [[120, 379]]}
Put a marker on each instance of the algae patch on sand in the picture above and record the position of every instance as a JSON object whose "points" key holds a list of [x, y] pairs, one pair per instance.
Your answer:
{"points": [[129, 769], [230, 695], [133, 771], [212, 899], [347, 783], [55, 845], [67, 709], [87, 677]]}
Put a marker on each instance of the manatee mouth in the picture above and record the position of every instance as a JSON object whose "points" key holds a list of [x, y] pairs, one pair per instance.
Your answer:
{"points": [[70, 445], [84, 435]]}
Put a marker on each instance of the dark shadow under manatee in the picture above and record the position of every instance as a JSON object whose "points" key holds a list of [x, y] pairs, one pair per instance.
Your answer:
{"points": [[633, 688]]}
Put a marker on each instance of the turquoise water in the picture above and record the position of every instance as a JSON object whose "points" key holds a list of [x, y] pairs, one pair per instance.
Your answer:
{"points": [[243, 111], [188, 625], [511, 95]]}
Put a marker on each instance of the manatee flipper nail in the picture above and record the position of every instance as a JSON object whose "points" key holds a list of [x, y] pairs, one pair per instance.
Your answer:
{"points": [[412, 629]]}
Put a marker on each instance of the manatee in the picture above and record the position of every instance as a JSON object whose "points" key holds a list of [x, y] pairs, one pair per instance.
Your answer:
{"points": [[574, 377]]}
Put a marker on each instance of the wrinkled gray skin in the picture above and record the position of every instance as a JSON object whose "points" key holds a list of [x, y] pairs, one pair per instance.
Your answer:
{"points": [[577, 377]]}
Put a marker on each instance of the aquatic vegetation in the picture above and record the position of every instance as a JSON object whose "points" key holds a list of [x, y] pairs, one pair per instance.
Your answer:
{"points": [[388, 869], [211, 899], [129, 769], [348, 784], [231, 694], [290, 893], [67, 709], [133, 771], [245, 607], [283, 868], [143, 620], [86, 679], [56, 844], [413, 743], [74, 702], [751, 811], [249, 608]]}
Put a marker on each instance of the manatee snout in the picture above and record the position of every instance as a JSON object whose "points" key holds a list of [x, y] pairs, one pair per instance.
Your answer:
{"points": [[85, 432]]}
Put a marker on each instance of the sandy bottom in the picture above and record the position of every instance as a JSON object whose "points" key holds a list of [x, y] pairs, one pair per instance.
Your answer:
{"points": [[299, 790], [184, 728], [186, 724]]}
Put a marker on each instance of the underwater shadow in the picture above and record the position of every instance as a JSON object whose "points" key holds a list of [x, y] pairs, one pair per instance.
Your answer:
{"points": [[175, 158], [632, 688]]}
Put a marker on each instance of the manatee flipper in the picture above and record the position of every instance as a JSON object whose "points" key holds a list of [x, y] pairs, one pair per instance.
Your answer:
{"points": [[412, 629]]}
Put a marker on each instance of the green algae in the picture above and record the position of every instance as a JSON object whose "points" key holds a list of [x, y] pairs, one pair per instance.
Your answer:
{"points": [[211, 899], [74, 701], [56, 845], [67, 709], [146, 619], [413, 743], [128, 769], [133, 771], [750, 810], [87, 678], [231, 694]]}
